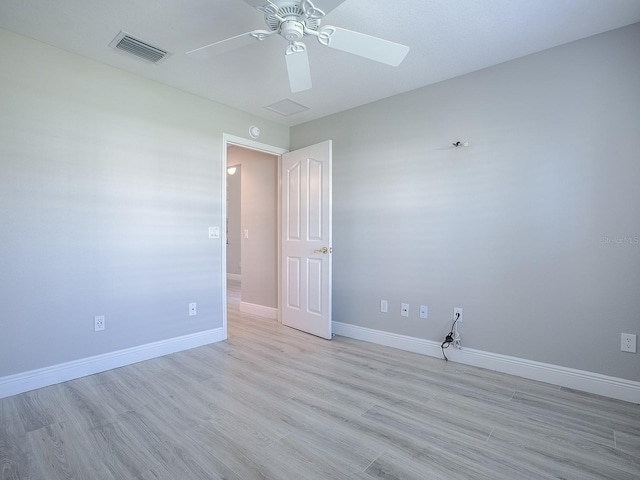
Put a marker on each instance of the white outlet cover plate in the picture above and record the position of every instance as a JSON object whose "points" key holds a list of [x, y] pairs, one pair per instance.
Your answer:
{"points": [[457, 310], [628, 342], [98, 323], [424, 311], [404, 309], [193, 309]]}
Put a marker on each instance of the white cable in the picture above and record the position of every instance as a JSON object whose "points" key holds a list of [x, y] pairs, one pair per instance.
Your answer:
{"points": [[456, 336]]}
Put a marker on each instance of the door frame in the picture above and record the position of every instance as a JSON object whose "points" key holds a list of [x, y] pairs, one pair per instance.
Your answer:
{"points": [[228, 139]]}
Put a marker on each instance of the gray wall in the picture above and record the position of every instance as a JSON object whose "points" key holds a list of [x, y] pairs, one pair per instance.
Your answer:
{"points": [[108, 183], [533, 229], [259, 217], [234, 217]]}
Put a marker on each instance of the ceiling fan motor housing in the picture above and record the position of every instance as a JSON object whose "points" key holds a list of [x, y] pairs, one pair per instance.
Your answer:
{"points": [[289, 19], [292, 30]]}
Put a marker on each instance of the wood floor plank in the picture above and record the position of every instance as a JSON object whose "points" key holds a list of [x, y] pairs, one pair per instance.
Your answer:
{"points": [[197, 461], [122, 453], [114, 395], [620, 408], [238, 448], [174, 450], [405, 436], [421, 413], [293, 455], [64, 451], [398, 466], [10, 417], [575, 461], [445, 446], [518, 417], [353, 379], [16, 459], [37, 408], [628, 443], [85, 405], [334, 439], [604, 418], [509, 382], [156, 473]]}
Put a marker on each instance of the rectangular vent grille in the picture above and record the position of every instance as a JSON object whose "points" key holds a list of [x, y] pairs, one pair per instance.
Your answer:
{"points": [[140, 49], [286, 107]]}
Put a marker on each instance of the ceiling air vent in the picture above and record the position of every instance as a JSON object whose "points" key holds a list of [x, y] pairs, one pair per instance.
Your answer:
{"points": [[287, 107], [138, 48]]}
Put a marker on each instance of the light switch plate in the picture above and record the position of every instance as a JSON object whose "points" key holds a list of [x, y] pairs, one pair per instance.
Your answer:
{"points": [[214, 232], [384, 306]]}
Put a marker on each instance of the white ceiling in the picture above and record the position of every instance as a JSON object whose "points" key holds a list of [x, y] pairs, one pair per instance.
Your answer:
{"points": [[447, 38]]}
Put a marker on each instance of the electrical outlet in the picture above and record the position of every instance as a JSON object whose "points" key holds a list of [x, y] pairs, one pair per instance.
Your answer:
{"points": [[628, 342], [404, 309], [98, 323], [193, 309], [456, 311], [384, 306], [424, 311]]}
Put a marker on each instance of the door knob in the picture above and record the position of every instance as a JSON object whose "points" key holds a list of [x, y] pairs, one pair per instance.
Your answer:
{"points": [[322, 250]]}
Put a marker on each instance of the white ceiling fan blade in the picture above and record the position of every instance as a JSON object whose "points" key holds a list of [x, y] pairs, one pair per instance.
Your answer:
{"points": [[311, 10], [363, 45], [229, 44], [327, 5], [256, 3], [298, 68], [265, 7]]}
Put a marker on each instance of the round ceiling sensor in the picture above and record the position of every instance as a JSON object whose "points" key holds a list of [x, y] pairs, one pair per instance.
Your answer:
{"points": [[254, 131]]}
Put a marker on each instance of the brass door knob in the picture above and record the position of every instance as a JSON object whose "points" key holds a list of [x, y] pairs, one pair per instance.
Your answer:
{"points": [[322, 250]]}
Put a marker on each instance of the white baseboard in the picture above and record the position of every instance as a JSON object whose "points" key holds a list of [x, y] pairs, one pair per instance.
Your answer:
{"points": [[259, 310], [43, 377], [596, 383], [234, 276]]}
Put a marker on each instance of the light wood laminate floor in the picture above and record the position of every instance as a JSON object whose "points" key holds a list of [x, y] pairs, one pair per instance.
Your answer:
{"points": [[274, 403]]}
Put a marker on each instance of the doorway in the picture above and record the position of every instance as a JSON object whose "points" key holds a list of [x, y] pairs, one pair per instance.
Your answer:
{"points": [[251, 247]]}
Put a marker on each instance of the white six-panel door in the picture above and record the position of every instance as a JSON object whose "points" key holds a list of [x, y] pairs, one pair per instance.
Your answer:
{"points": [[306, 239]]}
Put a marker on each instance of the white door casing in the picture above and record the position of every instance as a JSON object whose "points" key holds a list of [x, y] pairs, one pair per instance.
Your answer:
{"points": [[306, 239], [227, 140]]}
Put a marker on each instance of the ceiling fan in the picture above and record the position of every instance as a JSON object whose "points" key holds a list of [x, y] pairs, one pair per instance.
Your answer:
{"points": [[295, 19]]}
